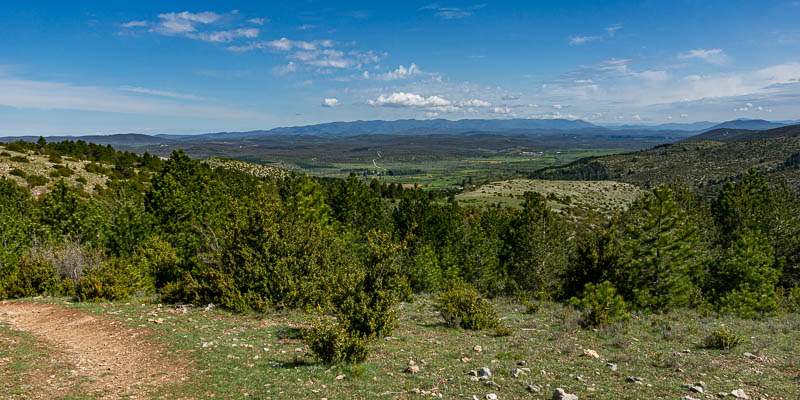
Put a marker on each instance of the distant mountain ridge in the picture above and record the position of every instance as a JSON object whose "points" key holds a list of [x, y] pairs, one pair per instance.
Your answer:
{"points": [[409, 127], [403, 126]]}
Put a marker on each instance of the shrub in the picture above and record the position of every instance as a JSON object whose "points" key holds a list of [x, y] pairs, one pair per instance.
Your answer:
{"points": [[5, 154], [331, 342], [31, 277], [18, 172], [115, 280], [19, 159], [36, 180], [723, 338], [464, 306], [69, 259], [600, 305], [368, 309]]}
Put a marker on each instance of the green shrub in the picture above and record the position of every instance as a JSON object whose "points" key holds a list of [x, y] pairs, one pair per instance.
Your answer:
{"points": [[36, 180], [723, 338], [115, 280], [331, 343], [81, 179], [18, 172], [464, 306], [368, 309], [600, 305], [31, 277], [61, 171], [503, 331], [788, 300], [5, 154], [19, 159]]}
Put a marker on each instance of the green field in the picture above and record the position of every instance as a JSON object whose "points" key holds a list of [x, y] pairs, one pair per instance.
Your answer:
{"points": [[446, 172]]}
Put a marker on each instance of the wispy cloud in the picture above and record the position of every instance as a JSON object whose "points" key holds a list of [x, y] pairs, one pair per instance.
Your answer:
{"points": [[612, 29], [258, 21], [183, 22], [160, 93], [711, 56], [578, 40], [452, 12], [134, 24], [49, 95]]}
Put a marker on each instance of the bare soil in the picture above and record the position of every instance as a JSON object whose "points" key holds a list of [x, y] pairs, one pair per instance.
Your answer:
{"points": [[117, 360]]}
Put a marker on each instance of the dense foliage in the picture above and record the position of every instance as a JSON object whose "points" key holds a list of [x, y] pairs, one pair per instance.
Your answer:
{"points": [[188, 232]]}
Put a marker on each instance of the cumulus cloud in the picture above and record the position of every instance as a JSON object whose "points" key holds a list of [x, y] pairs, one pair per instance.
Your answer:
{"points": [[402, 99], [578, 40], [711, 56], [258, 21], [431, 103], [330, 102], [400, 73]]}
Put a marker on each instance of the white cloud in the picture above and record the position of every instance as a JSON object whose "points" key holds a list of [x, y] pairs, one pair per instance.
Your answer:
{"points": [[161, 93], [783, 73], [284, 44], [612, 29], [184, 22], [306, 27], [577, 40], [711, 56], [258, 21], [558, 106], [432, 103], [474, 103], [226, 36], [401, 99], [652, 76], [452, 12], [47, 95], [330, 102], [430, 114], [285, 69], [400, 73], [134, 24]]}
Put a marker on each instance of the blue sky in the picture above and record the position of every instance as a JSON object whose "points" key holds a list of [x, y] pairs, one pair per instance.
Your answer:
{"points": [[200, 66]]}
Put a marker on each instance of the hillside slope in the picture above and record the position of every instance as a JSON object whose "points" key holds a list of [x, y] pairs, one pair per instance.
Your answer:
{"points": [[699, 163]]}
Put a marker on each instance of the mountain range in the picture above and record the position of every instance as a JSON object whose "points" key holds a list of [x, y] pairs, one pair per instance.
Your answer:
{"points": [[528, 127]]}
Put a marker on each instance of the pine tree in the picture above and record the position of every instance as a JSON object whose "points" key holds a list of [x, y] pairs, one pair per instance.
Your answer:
{"points": [[661, 249]]}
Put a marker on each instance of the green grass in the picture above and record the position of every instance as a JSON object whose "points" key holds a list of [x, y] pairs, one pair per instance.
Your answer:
{"points": [[262, 356]]}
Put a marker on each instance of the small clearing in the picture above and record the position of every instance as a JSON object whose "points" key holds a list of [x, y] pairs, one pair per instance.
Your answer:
{"points": [[117, 360], [603, 196]]}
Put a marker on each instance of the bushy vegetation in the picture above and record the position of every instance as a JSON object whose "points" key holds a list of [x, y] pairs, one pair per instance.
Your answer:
{"points": [[189, 232], [600, 305], [463, 306]]}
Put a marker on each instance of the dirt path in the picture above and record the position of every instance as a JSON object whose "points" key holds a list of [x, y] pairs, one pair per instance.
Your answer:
{"points": [[117, 359]]}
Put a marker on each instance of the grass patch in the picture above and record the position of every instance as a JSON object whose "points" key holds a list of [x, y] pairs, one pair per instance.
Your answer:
{"points": [[261, 355]]}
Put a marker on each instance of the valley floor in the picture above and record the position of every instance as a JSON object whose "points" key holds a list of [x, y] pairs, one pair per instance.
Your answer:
{"points": [[50, 348]]}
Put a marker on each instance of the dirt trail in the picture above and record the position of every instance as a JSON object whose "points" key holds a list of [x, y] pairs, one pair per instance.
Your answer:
{"points": [[117, 359]]}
